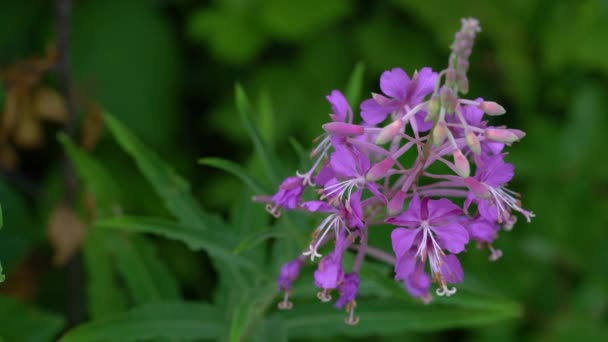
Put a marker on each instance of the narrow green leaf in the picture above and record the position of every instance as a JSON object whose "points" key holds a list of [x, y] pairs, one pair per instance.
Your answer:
{"points": [[303, 156], [172, 188], [216, 242], [250, 309], [257, 238], [20, 322], [386, 316], [236, 170], [355, 85], [171, 320], [94, 176], [104, 296], [145, 276], [267, 119], [269, 160]]}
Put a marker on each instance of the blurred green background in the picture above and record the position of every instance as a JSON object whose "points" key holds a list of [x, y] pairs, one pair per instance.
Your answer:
{"points": [[167, 69]]}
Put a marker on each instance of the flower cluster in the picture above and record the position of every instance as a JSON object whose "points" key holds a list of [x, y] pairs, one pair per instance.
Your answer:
{"points": [[452, 194]]}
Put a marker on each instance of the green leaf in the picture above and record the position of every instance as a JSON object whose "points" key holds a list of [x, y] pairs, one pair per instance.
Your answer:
{"points": [[171, 320], [20, 322], [303, 156], [1, 223], [146, 276], [355, 85], [104, 296], [236, 170], [269, 160], [385, 316], [250, 309], [257, 238], [94, 176], [172, 188], [216, 242]]}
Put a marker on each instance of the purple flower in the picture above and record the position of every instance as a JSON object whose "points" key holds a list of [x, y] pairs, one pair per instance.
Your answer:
{"points": [[288, 196], [329, 274], [432, 226], [348, 289], [289, 272], [487, 188], [401, 91], [341, 111], [350, 167]]}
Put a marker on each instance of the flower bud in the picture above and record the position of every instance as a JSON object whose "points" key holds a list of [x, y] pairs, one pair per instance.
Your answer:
{"points": [[507, 136], [389, 132], [342, 129], [448, 99], [379, 170], [492, 108], [440, 132], [462, 164], [433, 109], [473, 142], [395, 205]]}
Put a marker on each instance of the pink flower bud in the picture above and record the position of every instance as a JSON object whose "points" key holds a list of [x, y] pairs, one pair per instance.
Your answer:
{"points": [[389, 132], [379, 170], [507, 136], [473, 142], [395, 205], [492, 108], [440, 132], [448, 99], [341, 129], [462, 164]]}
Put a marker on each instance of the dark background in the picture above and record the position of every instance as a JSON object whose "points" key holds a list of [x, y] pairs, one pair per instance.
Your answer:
{"points": [[167, 69]]}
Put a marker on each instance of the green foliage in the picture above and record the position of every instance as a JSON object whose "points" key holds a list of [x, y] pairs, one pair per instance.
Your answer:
{"points": [[20, 322]]}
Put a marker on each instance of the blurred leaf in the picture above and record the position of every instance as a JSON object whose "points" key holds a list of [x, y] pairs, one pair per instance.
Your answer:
{"points": [[146, 276], [232, 36], [250, 309], [257, 238], [383, 317], [213, 241], [104, 296], [126, 54], [236, 170], [1, 224], [20, 322], [294, 20], [271, 165], [266, 117], [354, 86], [303, 156], [173, 189], [171, 320], [95, 178]]}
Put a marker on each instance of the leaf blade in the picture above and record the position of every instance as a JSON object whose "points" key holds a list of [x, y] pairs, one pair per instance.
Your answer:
{"points": [[236, 170]]}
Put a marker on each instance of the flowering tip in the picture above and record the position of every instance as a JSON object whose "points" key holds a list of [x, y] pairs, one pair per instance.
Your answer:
{"points": [[492, 108], [388, 132], [462, 164], [449, 100], [379, 170], [473, 142], [342, 129], [440, 132], [507, 136]]}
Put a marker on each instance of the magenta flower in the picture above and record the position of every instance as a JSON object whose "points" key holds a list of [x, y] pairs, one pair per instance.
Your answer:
{"points": [[288, 196], [431, 228], [399, 91], [289, 272], [330, 274], [487, 188]]}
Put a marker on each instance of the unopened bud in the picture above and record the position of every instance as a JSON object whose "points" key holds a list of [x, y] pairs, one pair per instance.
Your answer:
{"points": [[492, 108], [462, 164], [389, 131], [440, 132], [463, 83], [507, 136], [433, 109], [379, 170], [448, 99], [342, 129], [395, 205], [473, 142], [450, 77]]}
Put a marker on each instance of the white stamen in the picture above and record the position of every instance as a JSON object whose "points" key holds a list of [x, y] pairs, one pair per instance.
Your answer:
{"points": [[285, 304], [444, 291]]}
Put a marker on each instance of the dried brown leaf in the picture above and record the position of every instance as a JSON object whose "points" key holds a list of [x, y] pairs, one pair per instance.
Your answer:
{"points": [[66, 233]]}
